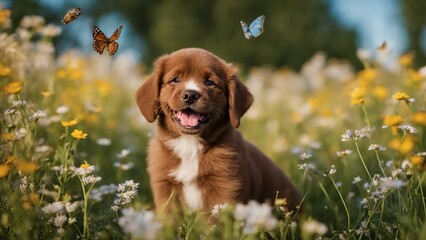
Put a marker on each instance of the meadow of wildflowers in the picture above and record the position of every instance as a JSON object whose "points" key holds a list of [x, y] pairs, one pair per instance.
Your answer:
{"points": [[72, 147]]}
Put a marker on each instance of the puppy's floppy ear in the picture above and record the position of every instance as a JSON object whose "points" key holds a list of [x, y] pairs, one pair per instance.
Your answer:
{"points": [[239, 98], [147, 95]]}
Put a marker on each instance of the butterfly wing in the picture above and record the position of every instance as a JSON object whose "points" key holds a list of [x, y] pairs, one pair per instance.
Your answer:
{"points": [[256, 27], [100, 41], [112, 48], [116, 34], [71, 15], [246, 31]]}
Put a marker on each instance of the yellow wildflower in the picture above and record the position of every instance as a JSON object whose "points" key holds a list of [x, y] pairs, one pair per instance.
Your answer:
{"points": [[357, 101], [26, 167], [419, 161], [78, 134], [103, 86], [4, 71], [357, 96], [14, 87], [380, 92], [10, 159], [401, 96], [46, 93], [366, 76], [419, 118], [414, 75], [69, 123], [393, 120], [358, 93], [406, 59], [85, 165], [368, 73], [7, 137], [404, 146], [29, 200], [4, 170]]}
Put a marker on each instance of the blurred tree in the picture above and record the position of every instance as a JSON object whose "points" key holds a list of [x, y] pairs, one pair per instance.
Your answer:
{"points": [[413, 12], [294, 30]]}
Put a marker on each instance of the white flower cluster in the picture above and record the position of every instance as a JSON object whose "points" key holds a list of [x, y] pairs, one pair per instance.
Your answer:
{"points": [[353, 136], [82, 171], [139, 224], [313, 227], [97, 193], [344, 153], [255, 216], [125, 193], [59, 214]]}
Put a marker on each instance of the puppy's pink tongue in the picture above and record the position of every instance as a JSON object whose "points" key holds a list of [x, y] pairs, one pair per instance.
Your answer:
{"points": [[189, 119]]}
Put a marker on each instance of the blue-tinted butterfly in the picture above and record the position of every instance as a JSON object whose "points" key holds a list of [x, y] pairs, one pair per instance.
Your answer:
{"points": [[255, 29]]}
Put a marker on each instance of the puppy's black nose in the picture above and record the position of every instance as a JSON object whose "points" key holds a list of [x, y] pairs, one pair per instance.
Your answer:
{"points": [[190, 96]]}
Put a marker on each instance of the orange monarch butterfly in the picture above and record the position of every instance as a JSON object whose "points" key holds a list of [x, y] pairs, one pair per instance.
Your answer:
{"points": [[71, 15], [100, 41]]}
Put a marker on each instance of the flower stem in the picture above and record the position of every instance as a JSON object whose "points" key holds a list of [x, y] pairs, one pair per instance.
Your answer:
{"points": [[367, 119], [85, 222], [423, 196], [344, 204], [362, 160], [380, 165]]}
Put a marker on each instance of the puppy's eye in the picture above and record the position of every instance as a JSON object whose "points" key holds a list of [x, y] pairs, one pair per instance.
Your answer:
{"points": [[209, 82], [175, 80]]}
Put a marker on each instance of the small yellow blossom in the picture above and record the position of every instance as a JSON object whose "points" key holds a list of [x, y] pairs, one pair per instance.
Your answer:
{"points": [[46, 93], [380, 92], [10, 159], [69, 123], [7, 137], [414, 76], [419, 161], [78, 134], [366, 76], [404, 146], [357, 96], [4, 170], [401, 96], [30, 200], [393, 120], [419, 118], [103, 87], [357, 101], [14, 87], [406, 59], [26, 167], [85, 165], [4, 71], [358, 93]]}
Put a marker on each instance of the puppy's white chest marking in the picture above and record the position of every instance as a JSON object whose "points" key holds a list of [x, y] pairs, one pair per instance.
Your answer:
{"points": [[188, 148]]}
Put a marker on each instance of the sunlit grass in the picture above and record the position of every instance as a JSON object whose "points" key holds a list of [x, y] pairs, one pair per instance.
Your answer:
{"points": [[73, 148]]}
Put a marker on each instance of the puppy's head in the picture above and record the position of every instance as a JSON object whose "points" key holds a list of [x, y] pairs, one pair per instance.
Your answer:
{"points": [[192, 89]]}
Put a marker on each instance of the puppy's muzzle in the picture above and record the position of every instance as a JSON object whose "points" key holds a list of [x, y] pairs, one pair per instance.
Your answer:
{"points": [[190, 96]]}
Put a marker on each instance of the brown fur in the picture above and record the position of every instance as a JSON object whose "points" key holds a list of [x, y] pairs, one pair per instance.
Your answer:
{"points": [[230, 169]]}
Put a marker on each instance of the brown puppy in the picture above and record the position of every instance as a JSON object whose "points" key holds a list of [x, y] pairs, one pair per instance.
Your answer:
{"points": [[197, 154]]}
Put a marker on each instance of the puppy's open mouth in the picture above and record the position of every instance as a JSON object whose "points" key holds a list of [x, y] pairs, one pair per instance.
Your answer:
{"points": [[189, 118]]}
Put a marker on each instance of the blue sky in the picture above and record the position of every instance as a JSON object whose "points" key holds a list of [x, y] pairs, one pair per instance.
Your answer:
{"points": [[375, 21]]}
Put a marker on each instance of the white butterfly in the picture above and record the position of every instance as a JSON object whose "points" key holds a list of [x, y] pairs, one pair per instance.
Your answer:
{"points": [[255, 29]]}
